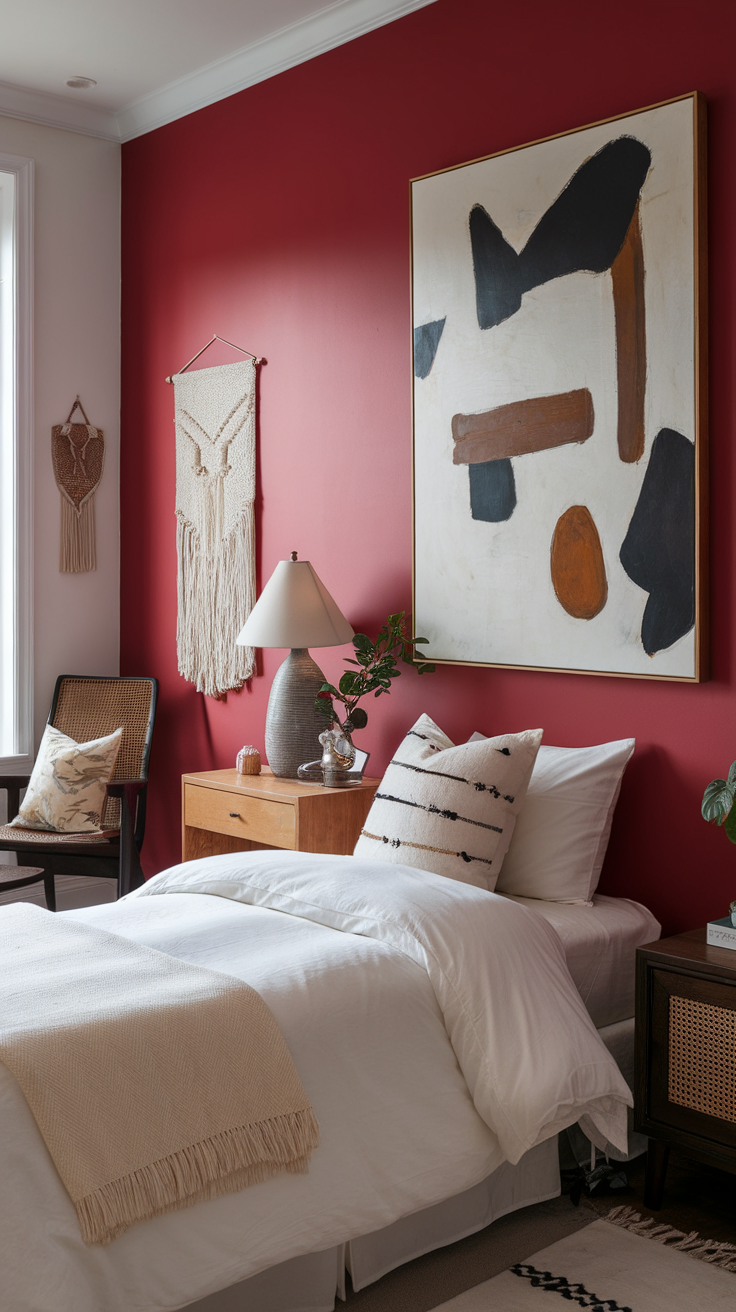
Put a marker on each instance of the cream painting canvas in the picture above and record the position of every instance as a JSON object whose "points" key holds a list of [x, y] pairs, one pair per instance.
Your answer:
{"points": [[559, 402]]}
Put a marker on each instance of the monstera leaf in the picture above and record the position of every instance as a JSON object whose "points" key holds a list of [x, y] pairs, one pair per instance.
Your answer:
{"points": [[718, 803]]}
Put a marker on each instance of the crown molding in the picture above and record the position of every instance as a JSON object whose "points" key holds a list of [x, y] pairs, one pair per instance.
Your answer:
{"points": [[58, 112], [332, 26]]}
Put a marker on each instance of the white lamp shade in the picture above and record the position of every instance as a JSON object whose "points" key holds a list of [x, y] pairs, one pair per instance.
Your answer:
{"points": [[295, 610]]}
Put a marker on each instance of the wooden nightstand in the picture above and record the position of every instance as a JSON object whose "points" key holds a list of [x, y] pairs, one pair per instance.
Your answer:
{"points": [[223, 811], [685, 1088]]}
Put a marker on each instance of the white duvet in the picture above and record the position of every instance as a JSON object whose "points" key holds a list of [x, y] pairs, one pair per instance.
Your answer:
{"points": [[436, 1030]]}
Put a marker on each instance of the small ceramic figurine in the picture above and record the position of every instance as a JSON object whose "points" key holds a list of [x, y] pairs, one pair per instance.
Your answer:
{"points": [[248, 761]]}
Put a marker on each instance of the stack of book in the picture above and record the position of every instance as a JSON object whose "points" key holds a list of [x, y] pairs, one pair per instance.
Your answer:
{"points": [[721, 933]]}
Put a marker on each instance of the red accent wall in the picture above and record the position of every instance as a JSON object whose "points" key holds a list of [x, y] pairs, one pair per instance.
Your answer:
{"points": [[280, 218]]}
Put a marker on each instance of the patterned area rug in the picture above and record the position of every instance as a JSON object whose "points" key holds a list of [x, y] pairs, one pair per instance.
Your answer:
{"points": [[613, 1266]]}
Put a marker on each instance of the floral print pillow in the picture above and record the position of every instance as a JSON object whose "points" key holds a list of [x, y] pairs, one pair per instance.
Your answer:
{"points": [[66, 792]]}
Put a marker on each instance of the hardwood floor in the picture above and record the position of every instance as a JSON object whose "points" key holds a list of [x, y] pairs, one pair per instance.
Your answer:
{"points": [[696, 1197], [72, 891]]}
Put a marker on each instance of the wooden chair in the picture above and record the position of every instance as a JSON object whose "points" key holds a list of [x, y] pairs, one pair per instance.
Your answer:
{"points": [[86, 708]]}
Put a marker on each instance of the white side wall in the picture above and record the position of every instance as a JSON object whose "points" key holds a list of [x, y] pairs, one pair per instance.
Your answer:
{"points": [[77, 350]]}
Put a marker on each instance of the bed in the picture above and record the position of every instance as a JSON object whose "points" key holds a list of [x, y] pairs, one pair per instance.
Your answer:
{"points": [[406, 1161]]}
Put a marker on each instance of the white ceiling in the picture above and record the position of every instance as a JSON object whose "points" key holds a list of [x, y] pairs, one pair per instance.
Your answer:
{"points": [[155, 60]]}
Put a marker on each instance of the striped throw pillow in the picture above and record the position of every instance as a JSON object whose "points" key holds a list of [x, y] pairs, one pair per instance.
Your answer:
{"points": [[448, 809]]}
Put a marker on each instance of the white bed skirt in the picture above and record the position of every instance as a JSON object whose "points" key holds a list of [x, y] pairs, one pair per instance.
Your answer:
{"points": [[304, 1284], [533, 1180], [313, 1282]]}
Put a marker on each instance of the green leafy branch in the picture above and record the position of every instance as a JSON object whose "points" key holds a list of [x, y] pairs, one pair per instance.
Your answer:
{"points": [[376, 667], [718, 803]]}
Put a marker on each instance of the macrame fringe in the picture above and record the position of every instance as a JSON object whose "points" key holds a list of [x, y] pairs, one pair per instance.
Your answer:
{"points": [[215, 594], [222, 1164], [78, 554], [706, 1250]]}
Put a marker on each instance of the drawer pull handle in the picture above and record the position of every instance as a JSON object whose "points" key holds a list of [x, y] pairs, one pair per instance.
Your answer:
{"points": [[235, 815]]}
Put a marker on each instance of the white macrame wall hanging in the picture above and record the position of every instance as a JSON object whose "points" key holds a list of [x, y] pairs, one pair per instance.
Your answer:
{"points": [[78, 457], [215, 494]]}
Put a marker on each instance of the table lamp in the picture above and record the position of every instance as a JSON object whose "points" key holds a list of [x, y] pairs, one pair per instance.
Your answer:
{"points": [[294, 610]]}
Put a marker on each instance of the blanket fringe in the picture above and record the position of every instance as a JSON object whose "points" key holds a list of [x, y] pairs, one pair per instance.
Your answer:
{"points": [[223, 1164], [706, 1250]]}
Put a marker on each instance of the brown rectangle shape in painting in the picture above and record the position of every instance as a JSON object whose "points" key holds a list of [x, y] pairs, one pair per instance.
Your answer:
{"points": [[627, 278], [522, 427]]}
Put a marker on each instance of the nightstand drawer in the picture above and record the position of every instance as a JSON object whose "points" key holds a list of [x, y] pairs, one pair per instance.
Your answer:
{"points": [[223, 811], [253, 819]]}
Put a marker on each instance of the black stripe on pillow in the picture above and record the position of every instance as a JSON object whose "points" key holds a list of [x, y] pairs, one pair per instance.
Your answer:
{"points": [[457, 778], [435, 810], [425, 739]]}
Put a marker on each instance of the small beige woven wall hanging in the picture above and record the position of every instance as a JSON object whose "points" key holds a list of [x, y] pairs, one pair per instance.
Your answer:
{"points": [[78, 455]]}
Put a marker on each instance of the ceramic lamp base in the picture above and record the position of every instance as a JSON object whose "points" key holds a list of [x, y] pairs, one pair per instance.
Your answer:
{"points": [[292, 724]]}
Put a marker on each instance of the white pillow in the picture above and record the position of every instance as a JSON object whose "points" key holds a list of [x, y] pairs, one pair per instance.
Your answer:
{"points": [[450, 809], [561, 836], [66, 792]]}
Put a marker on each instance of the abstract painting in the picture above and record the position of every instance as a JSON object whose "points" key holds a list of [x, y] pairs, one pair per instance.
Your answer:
{"points": [[559, 401]]}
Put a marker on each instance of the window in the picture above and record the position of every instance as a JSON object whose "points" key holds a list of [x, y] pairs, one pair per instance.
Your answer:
{"points": [[16, 450]]}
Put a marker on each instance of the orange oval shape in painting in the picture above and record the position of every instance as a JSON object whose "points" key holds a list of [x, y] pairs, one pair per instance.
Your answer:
{"points": [[578, 571]]}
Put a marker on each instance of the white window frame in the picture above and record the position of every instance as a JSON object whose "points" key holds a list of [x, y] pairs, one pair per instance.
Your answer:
{"points": [[21, 760]]}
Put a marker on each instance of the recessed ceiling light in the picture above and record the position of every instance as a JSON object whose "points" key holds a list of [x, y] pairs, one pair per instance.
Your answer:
{"points": [[81, 83]]}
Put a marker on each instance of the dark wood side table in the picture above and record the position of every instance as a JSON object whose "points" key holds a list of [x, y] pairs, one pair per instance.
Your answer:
{"points": [[19, 876], [685, 1085]]}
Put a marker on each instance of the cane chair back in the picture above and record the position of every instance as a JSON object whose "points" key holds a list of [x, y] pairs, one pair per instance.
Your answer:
{"points": [[91, 707]]}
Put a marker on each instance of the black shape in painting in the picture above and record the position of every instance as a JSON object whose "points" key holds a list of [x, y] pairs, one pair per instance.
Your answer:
{"points": [[498, 283], [492, 490], [583, 230], [658, 552], [426, 340]]}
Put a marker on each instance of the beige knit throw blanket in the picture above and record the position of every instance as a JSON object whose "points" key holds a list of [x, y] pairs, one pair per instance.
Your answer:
{"points": [[155, 1084], [215, 493]]}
